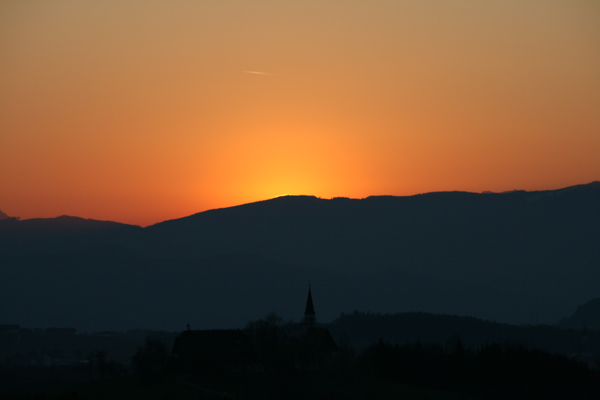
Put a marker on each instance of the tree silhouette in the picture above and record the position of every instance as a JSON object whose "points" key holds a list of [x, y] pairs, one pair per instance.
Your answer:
{"points": [[100, 356], [150, 361]]}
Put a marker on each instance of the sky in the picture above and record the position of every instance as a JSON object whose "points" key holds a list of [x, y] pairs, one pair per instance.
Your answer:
{"points": [[143, 111]]}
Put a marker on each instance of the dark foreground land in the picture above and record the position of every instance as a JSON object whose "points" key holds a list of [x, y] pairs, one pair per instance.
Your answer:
{"points": [[369, 356], [307, 385], [382, 371]]}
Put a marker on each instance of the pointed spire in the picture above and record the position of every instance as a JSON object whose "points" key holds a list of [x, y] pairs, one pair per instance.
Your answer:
{"points": [[309, 313]]}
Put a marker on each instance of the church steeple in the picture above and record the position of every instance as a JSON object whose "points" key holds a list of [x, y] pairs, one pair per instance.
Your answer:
{"points": [[309, 313]]}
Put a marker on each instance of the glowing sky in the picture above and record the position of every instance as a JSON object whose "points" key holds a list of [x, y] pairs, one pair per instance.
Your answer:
{"points": [[141, 111]]}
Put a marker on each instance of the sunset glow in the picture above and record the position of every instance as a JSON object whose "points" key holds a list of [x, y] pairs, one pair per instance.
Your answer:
{"points": [[141, 111]]}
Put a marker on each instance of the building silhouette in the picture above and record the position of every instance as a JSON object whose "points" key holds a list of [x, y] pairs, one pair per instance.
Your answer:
{"points": [[265, 344], [316, 347], [309, 314], [214, 349]]}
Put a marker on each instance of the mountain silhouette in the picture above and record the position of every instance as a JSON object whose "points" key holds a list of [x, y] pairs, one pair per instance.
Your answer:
{"points": [[354, 236], [42, 236], [3, 216], [586, 315], [516, 257]]}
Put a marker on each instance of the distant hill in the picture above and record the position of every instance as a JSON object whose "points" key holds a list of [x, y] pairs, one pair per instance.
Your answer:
{"points": [[449, 230], [42, 236], [587, 315], [516, 257], [363, 329], [3, 216]]}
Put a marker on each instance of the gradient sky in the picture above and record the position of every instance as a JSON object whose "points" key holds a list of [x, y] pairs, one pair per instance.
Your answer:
{"points": [[141, 111]]}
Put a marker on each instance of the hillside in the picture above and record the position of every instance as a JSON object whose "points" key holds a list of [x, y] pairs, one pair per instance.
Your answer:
{"points": [[362, 329], [587, 315], [518, 257]]}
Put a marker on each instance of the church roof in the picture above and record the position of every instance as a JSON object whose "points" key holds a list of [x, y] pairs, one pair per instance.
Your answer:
{"points": [[214, 346], [310, 308], [319, 339]]}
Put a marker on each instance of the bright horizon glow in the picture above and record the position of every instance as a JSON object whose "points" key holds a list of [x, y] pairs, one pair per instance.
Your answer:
{"points": [[144, 111]]}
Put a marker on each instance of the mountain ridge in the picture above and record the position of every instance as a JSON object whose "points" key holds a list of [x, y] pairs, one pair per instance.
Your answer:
{"points": [[518, 257], [591, 185], [586, 315]]}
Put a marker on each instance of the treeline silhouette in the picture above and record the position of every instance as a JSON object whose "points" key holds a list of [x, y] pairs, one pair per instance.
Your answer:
{"points": [[32, 360], [382, 370], [513, 367], [362, 328], [494, 371]]}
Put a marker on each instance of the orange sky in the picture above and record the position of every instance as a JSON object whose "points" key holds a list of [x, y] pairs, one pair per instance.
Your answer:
{"points": [[141, 111]]}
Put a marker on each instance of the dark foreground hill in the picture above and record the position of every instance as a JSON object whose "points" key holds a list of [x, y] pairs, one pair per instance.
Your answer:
{"points": [[519, 257]]}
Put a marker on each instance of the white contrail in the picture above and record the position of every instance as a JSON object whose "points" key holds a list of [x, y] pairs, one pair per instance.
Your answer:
{"points": [[256, 73]]}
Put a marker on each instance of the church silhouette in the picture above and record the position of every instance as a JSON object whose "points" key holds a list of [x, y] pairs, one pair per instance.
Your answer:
{"points": [[262, 345]]}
